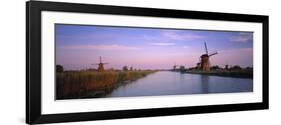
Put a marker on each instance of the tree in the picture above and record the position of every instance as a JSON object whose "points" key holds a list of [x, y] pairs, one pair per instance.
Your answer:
{"points": [[182, 68], [59, 68], [125, 68], [236, 67], [249, 68], [215, 67]]}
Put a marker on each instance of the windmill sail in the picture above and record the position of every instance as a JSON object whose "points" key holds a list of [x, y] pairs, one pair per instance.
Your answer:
{"points": [[213, 54], [206, 49]]}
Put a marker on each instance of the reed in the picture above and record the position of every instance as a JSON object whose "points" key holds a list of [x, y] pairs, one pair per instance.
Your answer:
{"points": [[75, 84]]}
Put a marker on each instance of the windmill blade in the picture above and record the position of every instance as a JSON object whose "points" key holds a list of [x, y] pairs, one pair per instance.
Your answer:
{"points": [[95, 64], [213, 54], [100, 60], [105, 63], [206, 49]]}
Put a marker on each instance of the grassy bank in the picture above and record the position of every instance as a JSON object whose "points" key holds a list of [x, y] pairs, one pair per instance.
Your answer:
{"points": [[225, 73], [79, 84]]}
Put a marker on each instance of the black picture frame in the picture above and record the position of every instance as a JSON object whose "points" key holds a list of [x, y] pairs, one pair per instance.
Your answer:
{"points": [[33, 61]]}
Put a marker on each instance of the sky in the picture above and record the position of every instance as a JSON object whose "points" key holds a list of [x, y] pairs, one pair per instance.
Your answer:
{"points": [[79, 47]]}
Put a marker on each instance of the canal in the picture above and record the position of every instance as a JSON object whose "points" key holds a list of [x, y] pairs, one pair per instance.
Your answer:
{"points": [[175, 83]]}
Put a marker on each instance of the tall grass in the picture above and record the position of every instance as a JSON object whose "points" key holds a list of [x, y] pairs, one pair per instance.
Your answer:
{"points": [[76, 83]]}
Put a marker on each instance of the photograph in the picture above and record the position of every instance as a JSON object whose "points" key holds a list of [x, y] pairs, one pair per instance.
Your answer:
{"points": [[87, 62], [95, 61]]}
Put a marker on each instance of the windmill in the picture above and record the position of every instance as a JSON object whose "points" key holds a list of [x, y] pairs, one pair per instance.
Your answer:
{"points": [[205, 61], [101, 65]]}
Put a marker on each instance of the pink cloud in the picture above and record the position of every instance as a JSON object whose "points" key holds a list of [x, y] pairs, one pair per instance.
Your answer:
{"points": [[163, 44], [176, 36], [242, 38], [114, 47]]}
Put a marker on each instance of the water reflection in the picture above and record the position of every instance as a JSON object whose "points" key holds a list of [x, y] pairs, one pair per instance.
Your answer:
{"points": [[205, 83]]}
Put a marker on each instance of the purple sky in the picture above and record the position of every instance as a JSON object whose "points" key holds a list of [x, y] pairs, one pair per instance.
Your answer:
{"points": [[79, 46]]}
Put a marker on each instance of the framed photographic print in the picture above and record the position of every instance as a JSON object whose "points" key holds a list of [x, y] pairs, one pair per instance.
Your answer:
{"points": [[95, 62]]}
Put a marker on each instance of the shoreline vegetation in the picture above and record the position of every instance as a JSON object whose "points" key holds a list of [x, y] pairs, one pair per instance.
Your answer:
{"points": [[91, 84], [223, 73], [235, 71]]}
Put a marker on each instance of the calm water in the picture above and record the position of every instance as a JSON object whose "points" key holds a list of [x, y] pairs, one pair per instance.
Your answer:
{"points": [[173, 83]]}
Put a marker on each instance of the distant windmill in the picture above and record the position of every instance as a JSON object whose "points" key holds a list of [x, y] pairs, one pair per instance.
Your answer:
{"points": [[205, 61], [101, 65]]}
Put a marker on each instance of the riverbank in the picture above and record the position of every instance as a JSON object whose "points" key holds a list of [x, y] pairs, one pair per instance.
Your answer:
{"points": [[224, 73], [90, 84]]}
